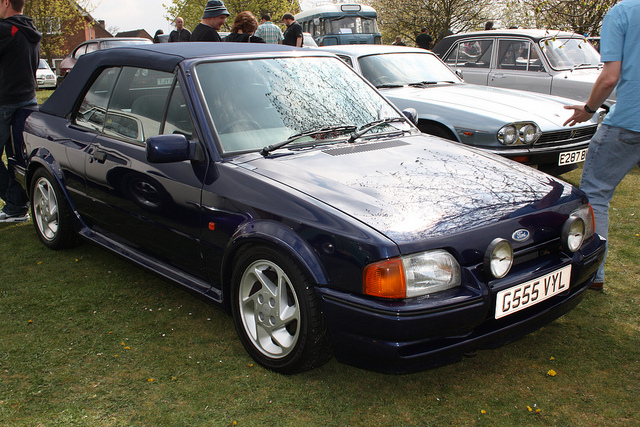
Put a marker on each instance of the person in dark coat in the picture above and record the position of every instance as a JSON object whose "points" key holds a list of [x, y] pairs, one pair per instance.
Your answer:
{"points": [[215, 13], [180, 34], [19, 58], [243, 28]]}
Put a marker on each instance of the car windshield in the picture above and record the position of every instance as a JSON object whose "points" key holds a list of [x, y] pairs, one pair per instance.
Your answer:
{"points": [[257, 103], [399, 69], [120, 43], [566, 53]]}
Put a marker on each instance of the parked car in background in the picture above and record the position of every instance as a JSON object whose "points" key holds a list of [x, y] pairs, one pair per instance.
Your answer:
{"points": [[45, 77], [279, 185], [308, 40], [523, 126], [552, 62], [97, 44]]}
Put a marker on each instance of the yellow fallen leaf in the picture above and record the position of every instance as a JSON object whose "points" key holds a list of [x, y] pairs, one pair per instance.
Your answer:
{"points": [[552, 358], [552, 373], [483, 412], [150, 380], [529, 408], [538, 410]]}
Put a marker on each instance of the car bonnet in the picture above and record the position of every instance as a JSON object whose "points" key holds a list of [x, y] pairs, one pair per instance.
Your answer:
{"points": [[482, 106], [413, 188]]}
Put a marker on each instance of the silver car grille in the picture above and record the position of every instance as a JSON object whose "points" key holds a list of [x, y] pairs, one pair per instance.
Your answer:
{"points": [[567, 135]]}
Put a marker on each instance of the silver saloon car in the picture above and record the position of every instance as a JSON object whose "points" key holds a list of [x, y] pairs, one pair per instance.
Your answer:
{"points": [[545, 61], [519, 125]]}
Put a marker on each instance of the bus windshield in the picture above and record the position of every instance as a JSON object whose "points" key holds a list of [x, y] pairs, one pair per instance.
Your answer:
{"points": [[351, 25]]}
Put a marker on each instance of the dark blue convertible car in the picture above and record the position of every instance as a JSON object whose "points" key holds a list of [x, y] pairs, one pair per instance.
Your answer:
{"points": [[283, 187]]}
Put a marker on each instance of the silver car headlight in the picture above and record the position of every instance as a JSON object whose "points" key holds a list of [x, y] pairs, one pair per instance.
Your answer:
{"points": [[412, 275], [519, 133], [529, 133], [508, 135]]}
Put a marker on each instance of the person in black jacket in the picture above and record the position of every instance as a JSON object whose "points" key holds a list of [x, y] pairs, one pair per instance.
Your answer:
{"points": [[293, 34], [19, 58], [243, 28], [180, 34], [215, 13]]}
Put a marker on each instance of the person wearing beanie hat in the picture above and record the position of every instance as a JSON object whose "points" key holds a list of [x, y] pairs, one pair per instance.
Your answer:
{"points": [[215, 13]]}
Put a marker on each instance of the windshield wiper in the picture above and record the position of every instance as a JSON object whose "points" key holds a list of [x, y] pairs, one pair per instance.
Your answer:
{"points": [[424, 83], [342, 128], [366, 128], [388, 86]]}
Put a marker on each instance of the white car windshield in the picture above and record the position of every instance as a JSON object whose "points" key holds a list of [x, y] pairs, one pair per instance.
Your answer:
{"points": [[310, 100], [566, 53], [400, 69]]}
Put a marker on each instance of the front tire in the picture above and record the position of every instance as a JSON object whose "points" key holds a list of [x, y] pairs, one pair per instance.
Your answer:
{"points": [[50, 212], [276, 312]]}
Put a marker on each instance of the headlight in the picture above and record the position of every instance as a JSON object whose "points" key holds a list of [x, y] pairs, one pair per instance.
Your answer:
{"points": [[521, 133], [529, 133], [498, 258], [573, 234], [508, 135], [412, 275], [579, 227], [586, 213]]}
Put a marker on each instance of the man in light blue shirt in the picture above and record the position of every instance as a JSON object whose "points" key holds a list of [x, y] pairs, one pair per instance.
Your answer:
{"points": [[615, 148]]}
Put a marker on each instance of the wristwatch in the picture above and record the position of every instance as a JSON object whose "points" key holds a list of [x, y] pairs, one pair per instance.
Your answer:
{"points": [[589, 110]]}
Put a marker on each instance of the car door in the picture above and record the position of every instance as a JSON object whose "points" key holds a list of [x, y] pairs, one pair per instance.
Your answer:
{"points": [[473, 57], [153, 208], [518, 65]]}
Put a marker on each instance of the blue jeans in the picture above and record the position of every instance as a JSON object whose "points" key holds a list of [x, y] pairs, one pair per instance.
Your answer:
{"points": [[613, 152], [11, 192]]}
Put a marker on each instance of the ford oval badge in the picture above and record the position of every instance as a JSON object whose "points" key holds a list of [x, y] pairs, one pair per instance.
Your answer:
{"points": [[521, 235]]}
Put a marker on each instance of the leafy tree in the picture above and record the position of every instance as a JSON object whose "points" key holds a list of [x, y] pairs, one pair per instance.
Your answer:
{"points": [[56, 19], [191, 10], [406, 17]]}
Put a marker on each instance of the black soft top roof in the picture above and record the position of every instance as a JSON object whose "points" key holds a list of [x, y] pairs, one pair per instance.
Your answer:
{"points": [[161, 57]]}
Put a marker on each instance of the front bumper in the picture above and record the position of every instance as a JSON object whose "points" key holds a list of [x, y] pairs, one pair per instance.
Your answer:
{"points": [[537, 155], [411, 335]]}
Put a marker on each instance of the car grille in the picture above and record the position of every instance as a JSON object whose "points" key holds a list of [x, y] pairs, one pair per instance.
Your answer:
{"points": [[568, 135]]}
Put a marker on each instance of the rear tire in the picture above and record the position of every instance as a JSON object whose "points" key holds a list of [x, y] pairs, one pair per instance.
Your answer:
{"points": [[52, 216], [276, 312]]}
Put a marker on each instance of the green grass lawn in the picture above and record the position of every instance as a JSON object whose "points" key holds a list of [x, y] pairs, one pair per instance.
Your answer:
{"points": [[87, 339]]}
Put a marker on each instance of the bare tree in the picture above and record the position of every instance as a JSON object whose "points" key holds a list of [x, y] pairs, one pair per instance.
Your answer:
{"points": [[440, 17], [578, 16]]}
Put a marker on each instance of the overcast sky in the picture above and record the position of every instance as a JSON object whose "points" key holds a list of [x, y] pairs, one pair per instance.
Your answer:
{"points": [[133, 15]]}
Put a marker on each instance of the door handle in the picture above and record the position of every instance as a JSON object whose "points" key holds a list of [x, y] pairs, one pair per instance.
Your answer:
{"points": [[99, 156]]}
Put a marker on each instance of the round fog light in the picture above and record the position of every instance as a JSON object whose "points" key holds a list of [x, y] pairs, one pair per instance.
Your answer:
{"points": [[498, 258], [573, 232]]}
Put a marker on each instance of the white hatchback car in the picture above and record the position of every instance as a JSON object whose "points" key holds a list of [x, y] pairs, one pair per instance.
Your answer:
{"points": [[45, 77]]}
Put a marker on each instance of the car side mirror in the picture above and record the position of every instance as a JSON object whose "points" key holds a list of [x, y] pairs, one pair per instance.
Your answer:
{"points": [[459, 73], [169, 149], [411, 114]]}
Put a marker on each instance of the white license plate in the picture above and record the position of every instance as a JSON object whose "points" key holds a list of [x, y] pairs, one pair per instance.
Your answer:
{"points": [[519, 297], [571, 157]]}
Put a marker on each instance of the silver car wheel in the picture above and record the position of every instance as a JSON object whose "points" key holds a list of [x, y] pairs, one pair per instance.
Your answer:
{"points": [[45, 209], [269, 309]]}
